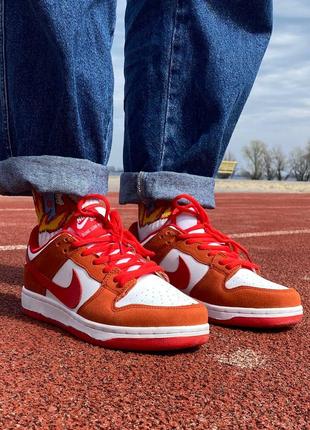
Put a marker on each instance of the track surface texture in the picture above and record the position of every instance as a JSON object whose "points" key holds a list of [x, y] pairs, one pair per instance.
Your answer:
{"points": [[242, 379]]}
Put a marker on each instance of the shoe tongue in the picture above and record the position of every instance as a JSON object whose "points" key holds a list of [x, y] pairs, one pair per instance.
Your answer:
{"points": [[91, 227], [188, 219], [86, 226]]}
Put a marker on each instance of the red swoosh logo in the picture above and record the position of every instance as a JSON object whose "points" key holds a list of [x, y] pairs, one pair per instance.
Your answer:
{"points": [[69, 296], [181, 277]]}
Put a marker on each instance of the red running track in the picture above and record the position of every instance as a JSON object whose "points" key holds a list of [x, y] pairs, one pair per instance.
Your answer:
{"points": [[240, 380]]}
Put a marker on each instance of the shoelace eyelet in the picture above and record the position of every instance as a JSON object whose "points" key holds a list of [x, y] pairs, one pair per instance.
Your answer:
{"points": [[210, 238], [118, 285]]}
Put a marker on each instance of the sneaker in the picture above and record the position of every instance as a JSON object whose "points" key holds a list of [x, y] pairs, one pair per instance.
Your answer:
{"points": [[214, 269], [95, 280]]}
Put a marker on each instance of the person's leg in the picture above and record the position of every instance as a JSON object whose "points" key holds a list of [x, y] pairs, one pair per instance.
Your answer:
{"points": [[190, 65], [56, 95], [189, 68], [83, 271]]}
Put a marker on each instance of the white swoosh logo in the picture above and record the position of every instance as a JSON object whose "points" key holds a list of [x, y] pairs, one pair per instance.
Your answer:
{"points": [[82, 224]]}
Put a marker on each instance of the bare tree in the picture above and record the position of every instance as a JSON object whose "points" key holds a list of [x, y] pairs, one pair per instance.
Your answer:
{"points": [[269, 168], [279, 162], [254, 153], [300, 164], [308, 151]]}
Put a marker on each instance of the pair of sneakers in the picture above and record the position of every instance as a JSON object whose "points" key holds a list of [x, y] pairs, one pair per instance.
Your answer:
{"points": [[97, 281]]}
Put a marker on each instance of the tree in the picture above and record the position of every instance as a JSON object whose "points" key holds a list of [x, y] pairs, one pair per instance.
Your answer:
{"points": [[279, 162], [269, 169], [300, 163], [308, 151], [254, 153]]}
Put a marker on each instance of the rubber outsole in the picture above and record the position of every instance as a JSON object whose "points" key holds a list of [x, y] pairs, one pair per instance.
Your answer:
{"points": [[155, 344], [254, 317], [258, 322], [161, 338]]}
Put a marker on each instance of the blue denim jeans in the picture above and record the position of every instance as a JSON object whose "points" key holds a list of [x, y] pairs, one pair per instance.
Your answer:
{"points": [[189, 68]]}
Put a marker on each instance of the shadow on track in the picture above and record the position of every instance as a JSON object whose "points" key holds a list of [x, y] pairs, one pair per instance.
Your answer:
{"points": [[11, 275]]}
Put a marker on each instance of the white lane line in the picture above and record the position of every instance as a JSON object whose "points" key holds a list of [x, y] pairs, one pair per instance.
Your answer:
{"points": [[12, 247], [270, 233], [237, 235]]}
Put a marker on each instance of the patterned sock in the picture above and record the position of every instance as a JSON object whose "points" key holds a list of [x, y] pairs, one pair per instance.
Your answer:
{"points": [[152, 217], [53, 211]]}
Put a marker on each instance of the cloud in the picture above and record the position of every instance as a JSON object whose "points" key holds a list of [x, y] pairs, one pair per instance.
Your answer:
{"points": [[278, 110], [292, 9]]}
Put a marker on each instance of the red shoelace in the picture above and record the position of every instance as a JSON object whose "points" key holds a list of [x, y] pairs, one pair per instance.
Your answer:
{"points": [[211, 240], [115, 247]]}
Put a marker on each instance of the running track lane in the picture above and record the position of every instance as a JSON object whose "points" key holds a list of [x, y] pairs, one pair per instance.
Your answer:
{"points": [[240, 380]]}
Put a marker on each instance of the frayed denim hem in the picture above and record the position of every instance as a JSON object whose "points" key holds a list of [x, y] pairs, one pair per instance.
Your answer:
{"points": [[46, 173], [147, 186]]}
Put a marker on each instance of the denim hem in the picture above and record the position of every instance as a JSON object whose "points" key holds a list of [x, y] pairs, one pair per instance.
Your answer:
{"points": [[144, 187], [47, 173]]}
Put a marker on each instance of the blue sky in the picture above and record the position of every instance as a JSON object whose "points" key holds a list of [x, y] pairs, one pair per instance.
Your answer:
{"points": [[278, 110]]}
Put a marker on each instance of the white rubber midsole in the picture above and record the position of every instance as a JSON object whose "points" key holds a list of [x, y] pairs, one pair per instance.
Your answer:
{"points": [[227, 313], [48, 308]]}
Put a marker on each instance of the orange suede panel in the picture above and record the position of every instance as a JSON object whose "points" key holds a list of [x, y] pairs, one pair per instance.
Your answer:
{"points": [[100, 308], [48, 262], [162, 243], [53, 256], [211, 289], [31, 283]]}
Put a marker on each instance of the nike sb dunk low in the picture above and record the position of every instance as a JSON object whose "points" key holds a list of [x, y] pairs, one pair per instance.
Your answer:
{"points": [[211, 267], [95, 280]]}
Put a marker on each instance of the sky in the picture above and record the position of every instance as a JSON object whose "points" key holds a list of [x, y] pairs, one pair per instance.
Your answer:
{"points": [[278, 109]]}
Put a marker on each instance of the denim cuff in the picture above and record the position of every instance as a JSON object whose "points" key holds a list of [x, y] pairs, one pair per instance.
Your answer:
{"points": [[47, 173], [147, 186]]}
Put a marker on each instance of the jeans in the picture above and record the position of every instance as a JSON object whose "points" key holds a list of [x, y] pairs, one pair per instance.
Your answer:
{"points": [[189, 68]]}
